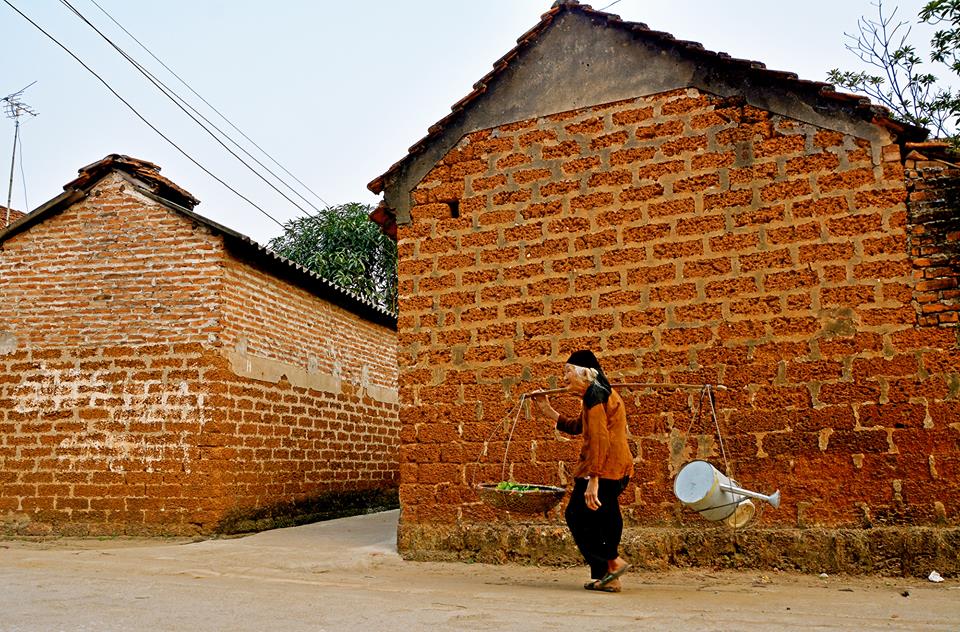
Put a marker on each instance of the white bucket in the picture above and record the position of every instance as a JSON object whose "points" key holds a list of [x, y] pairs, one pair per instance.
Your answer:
{"points": [[701, 487]]}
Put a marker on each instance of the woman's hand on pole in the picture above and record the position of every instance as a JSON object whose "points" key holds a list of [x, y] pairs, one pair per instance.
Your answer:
{"points": [[592, 495], [544, 407]]}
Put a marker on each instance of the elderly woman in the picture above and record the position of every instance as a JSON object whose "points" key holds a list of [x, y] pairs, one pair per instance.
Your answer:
{"points": [[601, 474]]}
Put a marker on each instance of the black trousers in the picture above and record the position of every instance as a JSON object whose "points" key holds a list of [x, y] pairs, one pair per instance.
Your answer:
{"points": [[597, 533]]}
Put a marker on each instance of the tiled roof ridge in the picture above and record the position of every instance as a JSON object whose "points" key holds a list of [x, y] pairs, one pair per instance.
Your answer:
{"points": [[143, 170], [875, 113]]}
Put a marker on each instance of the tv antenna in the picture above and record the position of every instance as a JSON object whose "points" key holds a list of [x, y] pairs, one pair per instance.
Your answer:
{"points": [[14, 107]]}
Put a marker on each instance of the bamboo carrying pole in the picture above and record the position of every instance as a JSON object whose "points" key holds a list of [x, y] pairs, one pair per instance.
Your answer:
{"points": [[551, 391]]}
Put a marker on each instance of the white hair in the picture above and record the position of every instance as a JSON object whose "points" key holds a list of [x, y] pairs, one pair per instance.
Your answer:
{"points": [[586, 373]]}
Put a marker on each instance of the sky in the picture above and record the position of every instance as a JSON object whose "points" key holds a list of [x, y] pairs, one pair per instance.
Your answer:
{"points": [[335, 92]]}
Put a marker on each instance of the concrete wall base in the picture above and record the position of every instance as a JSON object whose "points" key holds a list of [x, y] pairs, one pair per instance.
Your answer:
{"points": [[891, 551]]}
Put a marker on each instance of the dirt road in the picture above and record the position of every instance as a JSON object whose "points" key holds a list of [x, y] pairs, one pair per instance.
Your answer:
{"points": [[346, 575]]}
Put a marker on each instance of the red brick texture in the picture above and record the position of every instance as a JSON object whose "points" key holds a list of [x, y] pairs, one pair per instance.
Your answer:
{"points": [[934, 239], [152, 382], [685, 238]]}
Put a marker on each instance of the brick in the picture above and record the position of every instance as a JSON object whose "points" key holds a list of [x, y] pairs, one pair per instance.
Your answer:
{"points": [[627, 117], [763, 260], [819, 207], [641, 194], [511, 197], [707, 268], [673, 293], [580, 165], [852, 179], [565, 149], [609, 140], [761, 173], [513, 160], [812, 163], [683, 145], [819, 253], [698, 312], [881, 199], [591, 201], [660, 130], [562, 187], [730, 287], [672, 207], [630, 156], [779, 146], [686, 337], [826, 138], [703, 225], [610, 178], [697, 183], [785, 190], [683, 105], [486, 184], [743, 197], [678, 249], [589, 126], [855, 224]]}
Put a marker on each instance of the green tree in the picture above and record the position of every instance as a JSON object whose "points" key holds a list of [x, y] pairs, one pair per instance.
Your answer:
{"points": [[946, 40], [899, 79], [344, 246]]}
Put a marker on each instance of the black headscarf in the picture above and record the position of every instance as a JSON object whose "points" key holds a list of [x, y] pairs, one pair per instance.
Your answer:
{"points": [[599, 391]]}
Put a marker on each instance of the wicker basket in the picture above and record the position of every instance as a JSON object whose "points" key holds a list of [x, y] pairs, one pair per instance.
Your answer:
{"points": [[541, 499]]}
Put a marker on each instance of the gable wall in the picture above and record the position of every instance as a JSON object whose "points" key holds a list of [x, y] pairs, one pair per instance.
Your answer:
{"points": [[685, 238]]}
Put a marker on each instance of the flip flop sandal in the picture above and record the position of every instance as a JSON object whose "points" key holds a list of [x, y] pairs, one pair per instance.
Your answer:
{"points": [[597, 586], [609, 577]]}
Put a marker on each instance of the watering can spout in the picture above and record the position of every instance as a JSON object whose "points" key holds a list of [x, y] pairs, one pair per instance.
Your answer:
{"points": [[774, 499]]}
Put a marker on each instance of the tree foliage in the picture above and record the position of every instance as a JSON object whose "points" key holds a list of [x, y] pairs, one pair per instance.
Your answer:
{"points": [[342, 245], [899, 78]]}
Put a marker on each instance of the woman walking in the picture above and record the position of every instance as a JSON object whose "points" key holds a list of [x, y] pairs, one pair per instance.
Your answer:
{"points": [[603, 471]]}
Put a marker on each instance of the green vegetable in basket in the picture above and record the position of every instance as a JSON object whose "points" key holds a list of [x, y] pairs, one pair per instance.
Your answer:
{"points": [[510, 486]]}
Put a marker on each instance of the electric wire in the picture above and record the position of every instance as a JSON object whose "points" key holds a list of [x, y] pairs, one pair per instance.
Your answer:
{"points": [[179, 102], [140, 116], [210, 105]]}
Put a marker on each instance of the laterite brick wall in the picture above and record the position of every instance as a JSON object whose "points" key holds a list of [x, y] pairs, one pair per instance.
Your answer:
{"points": [[684, 238], [129, 404]]}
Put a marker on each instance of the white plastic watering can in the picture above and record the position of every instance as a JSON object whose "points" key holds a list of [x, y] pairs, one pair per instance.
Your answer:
{"points": [[703, 488]]}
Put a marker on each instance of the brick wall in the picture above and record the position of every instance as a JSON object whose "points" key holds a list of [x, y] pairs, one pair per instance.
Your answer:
{"points": [[322, 416], [685, 238], [934, 238], [146, 386]]}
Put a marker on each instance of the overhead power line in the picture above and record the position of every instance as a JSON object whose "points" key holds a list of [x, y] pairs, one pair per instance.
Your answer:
{"points": [[140, 116], [210, 105], [180, 103]]}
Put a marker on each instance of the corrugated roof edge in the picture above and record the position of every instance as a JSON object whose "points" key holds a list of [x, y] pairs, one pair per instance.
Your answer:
{"points": [[875, 113]]}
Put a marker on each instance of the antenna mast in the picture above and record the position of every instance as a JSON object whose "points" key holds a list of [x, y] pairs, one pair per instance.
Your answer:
{"points": [[15, 108]]}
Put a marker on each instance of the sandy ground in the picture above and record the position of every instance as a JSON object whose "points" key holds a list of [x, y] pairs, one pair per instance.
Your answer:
{"points": [[346, 575]]}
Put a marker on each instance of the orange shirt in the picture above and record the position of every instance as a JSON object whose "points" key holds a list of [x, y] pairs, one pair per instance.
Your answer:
{"points": [[605, 451]]}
